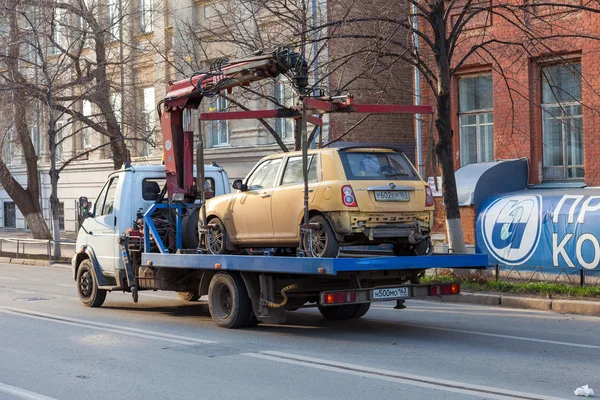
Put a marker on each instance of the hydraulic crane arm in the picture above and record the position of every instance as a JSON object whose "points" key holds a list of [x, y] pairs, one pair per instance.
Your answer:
{"points": [[178, 137]]}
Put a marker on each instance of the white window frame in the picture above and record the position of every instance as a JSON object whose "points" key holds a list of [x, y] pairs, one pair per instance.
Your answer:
{"points": [[149, 98], [145, 17], [219, 129], [479, 124], [284, 127], [113, 19], [87, 131]]}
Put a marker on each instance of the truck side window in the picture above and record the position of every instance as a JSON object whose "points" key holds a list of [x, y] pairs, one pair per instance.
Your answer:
{"points": [[107, 206], [100, 200], [151, 188]]}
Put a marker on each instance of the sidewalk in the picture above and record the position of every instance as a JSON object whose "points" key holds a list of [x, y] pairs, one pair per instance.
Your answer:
{"points": [[559, 305], [12, 240]]}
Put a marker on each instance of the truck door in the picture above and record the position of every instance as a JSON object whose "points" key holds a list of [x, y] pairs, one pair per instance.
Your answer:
{"points": [[104, 235]]}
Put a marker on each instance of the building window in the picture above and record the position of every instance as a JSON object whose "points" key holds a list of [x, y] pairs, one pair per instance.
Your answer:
{"points": [[284, 96], [61, 216], [8, 147], [476, 119], [35, 139], [148, 121], [10, 215], [219, 130], [60, 126], [145, 16], [114, 21], [87, 131], [562, 122]]}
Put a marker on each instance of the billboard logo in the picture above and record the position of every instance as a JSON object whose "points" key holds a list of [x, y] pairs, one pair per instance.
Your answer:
{"points": [[511, 228]]}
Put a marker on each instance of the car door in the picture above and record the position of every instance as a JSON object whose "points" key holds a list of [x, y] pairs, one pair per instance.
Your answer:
{"points": [[287, 202], [251, 209], [102, 227]]}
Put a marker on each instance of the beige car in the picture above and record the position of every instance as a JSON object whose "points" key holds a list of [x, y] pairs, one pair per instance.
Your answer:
{"points": [[358, 196]]}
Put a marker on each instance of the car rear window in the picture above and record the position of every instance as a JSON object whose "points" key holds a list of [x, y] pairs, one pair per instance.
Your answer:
{"points": [[377, 166]]}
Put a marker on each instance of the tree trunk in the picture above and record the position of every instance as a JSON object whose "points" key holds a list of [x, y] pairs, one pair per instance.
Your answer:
{"points": [[444, 151], [54, 203]]}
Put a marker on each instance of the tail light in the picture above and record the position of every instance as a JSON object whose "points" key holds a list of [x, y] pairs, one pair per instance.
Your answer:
{"points": [[449, 288], [348, 197], [428, 197], [338, 297]]}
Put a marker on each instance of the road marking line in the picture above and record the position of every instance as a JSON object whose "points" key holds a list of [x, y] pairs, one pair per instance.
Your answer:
{"points": [[391, 376], [503, 312], [22, 393], [72, 285], [124, 330], [10, 279]]}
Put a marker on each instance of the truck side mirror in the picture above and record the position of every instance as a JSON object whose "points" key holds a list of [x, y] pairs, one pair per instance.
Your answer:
{"points": [[239, 185], [83, 211]]}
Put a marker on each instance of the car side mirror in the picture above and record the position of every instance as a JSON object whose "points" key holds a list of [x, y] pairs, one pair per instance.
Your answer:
{"points": [[239, 185], [83, 210]]}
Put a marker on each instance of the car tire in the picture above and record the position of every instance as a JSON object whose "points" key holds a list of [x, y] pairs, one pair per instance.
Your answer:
{"points": [[338, 313], [218, 237], [421, 248], [190, 230], [325, 245], [228, 301], [361, 310], [87, 285], [189, 296]]}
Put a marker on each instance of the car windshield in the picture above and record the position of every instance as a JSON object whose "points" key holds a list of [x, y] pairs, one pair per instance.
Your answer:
{"points": [[377, 166]]}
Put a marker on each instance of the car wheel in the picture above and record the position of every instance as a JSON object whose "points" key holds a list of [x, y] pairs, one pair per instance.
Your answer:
{"points": [[190, 230], [324, 243], [218, 237], [418, 249], [87, 285]]}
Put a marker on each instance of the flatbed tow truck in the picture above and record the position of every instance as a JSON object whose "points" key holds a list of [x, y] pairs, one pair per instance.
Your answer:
{"points": [[165, 246]]}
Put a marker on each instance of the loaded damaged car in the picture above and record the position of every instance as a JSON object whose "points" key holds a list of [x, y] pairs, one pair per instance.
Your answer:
{"points": [[357, 196]]}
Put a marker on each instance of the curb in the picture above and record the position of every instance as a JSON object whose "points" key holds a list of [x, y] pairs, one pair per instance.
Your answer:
{"points": [[580, 307], [37, 263]]}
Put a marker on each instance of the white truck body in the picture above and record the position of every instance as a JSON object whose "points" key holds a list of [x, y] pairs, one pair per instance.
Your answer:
{"points": [[124, 196]]}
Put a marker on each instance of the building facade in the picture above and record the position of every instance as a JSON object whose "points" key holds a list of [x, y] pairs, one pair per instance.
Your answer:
{"points": [[533, 95], [153, 43]]}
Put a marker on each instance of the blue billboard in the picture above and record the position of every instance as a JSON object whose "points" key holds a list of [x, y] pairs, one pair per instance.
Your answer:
{"points": [[541, 229]]}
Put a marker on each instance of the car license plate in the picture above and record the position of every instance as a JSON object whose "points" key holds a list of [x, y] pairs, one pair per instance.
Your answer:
{"points": [[391, 195], [390, 293]]}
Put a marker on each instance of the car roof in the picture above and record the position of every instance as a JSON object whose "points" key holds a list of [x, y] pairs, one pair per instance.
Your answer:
{"points": [[334, 149]]}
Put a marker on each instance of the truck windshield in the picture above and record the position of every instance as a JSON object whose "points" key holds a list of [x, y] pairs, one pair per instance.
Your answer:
{"points": [[377, 166]]}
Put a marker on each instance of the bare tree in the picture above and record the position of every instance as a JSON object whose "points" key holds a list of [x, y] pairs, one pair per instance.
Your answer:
{"points": [[65, 54], [452, 34]]}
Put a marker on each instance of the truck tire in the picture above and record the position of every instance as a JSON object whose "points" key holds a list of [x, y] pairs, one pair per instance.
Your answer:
{"points": [[252, 320], [361, 309], [337, 313], [189, 296], [87, 285], [324, 242], [228, 301]]}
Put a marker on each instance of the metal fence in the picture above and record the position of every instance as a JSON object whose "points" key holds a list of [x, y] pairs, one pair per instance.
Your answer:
{"points": [[20, 247]]}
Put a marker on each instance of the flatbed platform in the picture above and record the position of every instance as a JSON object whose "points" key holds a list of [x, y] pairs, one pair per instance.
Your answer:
{"points": [[313, 266]]}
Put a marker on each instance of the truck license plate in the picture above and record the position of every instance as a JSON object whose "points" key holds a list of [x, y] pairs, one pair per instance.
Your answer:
{"points": [[391, 195], [390, 293]]}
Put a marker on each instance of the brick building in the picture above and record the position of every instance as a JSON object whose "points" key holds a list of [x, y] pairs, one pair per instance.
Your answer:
{"points": [[533, 98]]}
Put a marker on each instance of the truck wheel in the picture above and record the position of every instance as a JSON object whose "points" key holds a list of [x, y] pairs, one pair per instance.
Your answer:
{"points": [[189, 296], [218, 237], [361, 309], [324, 243], [87, 285], [228, 301], [252, 320], [337, 313]]}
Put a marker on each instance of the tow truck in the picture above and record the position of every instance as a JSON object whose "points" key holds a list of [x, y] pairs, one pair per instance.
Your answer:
{"points": [[164, 245]]}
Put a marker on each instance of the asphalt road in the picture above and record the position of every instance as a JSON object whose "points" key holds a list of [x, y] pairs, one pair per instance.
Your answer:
{"points": [[52, 347]]}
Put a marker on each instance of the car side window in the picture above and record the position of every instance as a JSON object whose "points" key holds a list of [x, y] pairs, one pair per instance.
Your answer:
{"points": [[293, 171], [264, 176], [107, 207]]}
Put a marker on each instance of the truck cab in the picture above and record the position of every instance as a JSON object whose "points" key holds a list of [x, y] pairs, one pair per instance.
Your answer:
{"points": [[126, 195]]}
